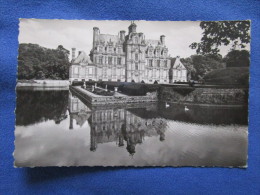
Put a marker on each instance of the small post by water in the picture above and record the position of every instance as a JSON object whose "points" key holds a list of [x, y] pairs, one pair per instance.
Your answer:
{"points": [[93, 88], [106, 88], [115, 89], [84, 85]]}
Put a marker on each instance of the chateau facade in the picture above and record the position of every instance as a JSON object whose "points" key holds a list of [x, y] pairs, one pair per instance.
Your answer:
{"points": [[126, 58]]}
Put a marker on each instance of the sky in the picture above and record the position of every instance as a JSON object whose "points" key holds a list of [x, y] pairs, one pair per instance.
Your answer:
{"points": [[79, 33]]}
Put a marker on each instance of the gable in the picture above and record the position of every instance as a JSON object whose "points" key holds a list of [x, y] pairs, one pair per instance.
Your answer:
{"points": [[178, 64]]}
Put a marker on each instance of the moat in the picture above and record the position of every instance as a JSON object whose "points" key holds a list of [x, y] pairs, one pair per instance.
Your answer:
{"points": [[57, 128]]}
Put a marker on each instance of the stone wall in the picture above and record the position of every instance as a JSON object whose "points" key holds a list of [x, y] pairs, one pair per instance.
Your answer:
{"points": [[104, 100], [230, 96]]}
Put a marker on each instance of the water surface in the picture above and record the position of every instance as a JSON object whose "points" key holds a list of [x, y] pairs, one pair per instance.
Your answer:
{"points": [[55, 128]]}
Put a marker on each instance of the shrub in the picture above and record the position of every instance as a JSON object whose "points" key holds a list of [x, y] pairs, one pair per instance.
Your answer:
{"points": [[155, 82], [183, 90], [77, 83]]}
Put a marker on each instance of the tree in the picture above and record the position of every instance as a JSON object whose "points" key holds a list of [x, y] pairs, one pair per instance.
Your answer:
{"points": [[36, 62], [237, 58], [217, 33], [199, 65]]}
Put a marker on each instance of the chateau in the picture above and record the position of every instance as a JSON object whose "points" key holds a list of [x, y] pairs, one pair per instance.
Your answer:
{"points": [[126, 57]]}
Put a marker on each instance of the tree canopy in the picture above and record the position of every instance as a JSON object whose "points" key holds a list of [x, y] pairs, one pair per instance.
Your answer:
{"points": [[199, 65], [217, 33], [237, 58], [36, 62]]}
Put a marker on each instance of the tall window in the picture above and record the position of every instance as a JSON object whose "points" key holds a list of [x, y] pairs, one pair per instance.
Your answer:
{"points": [[136, 66], [90, 71], [136, 40], [150, 63], [100, 60], [165, 63], [110, 60], [158, 63], [119, 61], [75, 70], [136, 57], [114, 72]]}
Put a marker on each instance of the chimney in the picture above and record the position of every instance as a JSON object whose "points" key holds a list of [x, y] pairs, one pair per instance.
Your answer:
{"points": [[122, 35], [95, 35], [162, 39], [73, 53]]}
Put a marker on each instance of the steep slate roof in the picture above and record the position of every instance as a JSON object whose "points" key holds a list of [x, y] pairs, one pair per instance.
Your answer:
{"points": [[177, 64], [107, 38], [151, 42], [82, 58]]}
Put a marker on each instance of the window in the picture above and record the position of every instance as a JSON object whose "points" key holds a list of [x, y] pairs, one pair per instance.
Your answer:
{"points": [[158, 63], [90, 71], [136, 40], [114, 72], [150, 63], [119, 61], [100, 60], [109, 49], [76, 70], [165, 63], [136, 66], [136, 57], [110, 60]]}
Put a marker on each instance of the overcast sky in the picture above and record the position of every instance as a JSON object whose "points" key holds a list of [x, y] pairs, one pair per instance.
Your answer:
{"points": [[79, 33]]}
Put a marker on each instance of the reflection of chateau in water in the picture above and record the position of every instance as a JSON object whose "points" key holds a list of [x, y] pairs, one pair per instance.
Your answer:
{"points": [[115, 125]]}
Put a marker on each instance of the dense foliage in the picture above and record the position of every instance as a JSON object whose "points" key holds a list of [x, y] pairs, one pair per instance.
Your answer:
{"points": [[218, 33], [36, 62], [237, 58], [231, 75], [199, 65]]}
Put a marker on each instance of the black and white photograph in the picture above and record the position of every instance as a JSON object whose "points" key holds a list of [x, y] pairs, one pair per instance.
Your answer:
{"points": [[132, 93]]}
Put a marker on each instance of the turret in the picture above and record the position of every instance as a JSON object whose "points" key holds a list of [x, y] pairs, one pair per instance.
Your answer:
{"points": [[73, 53], [122, 35], [162, 39], [132, 28], [95, 35]]}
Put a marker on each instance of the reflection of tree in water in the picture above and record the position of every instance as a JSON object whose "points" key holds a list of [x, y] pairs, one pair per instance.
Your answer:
{"points": [[36, 106]]}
